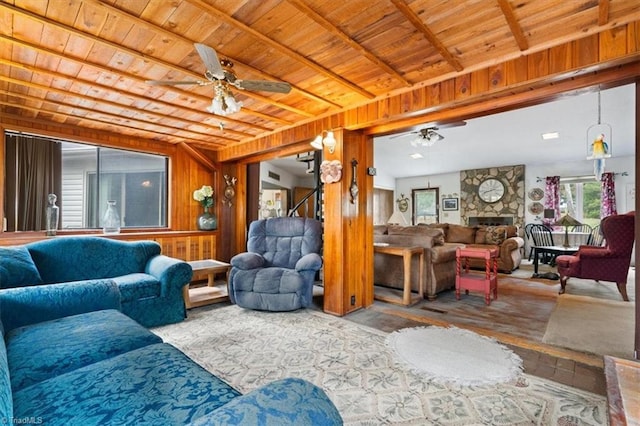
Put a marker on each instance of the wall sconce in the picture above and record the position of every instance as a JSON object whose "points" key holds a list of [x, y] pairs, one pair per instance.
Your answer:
{"points": [[329, 141]]}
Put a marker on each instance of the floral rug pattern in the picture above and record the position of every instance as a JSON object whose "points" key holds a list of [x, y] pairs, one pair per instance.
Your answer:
{"points": [[361, 375]]}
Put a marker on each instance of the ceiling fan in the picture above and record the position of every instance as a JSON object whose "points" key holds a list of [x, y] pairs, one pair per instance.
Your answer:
{"points": [[429, 135], [219, 74]]}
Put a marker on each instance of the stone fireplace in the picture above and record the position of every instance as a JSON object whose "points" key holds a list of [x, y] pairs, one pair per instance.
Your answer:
{"points": [[508, 210], [490, 220]]}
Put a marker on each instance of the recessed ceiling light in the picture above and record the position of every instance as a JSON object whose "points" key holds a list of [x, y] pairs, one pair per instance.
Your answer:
{"points": [[416, 156], [550, 135]]}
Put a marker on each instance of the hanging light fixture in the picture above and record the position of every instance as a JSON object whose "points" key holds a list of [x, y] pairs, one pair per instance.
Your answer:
{"points": [[223, 102], [427, 137], [328, 141], [599, 142]]}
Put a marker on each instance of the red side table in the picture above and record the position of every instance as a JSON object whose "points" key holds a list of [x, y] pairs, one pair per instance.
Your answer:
{"points": [[475, 280]]}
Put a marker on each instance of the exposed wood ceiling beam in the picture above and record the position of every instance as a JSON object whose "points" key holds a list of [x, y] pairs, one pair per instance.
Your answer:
{"points": [[116, 118], [514, 25], [203, 159], [142, 56], [137, 79], [61, 77], [429, 35], [603, 12], [156, 28], [283, 49], [333, 30], [94, 116], [527, 95]]}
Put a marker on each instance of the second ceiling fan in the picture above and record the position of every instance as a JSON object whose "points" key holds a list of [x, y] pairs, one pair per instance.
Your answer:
{"points": [[219, 74]]}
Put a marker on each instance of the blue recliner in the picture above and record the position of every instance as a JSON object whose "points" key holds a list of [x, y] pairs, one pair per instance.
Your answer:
{"points": [[278, 270]]}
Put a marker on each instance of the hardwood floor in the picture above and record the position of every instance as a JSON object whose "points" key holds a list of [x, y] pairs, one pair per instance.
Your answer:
{"points": [[518, 318]]}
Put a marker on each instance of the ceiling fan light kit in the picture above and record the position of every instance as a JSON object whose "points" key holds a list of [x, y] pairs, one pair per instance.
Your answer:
{"points": [[427, 137], [223, 102]]}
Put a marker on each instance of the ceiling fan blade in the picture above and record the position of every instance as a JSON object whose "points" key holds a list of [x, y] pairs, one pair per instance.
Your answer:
{"points": [[210, 59], [171, 82], [263, 85], [450, 124]]}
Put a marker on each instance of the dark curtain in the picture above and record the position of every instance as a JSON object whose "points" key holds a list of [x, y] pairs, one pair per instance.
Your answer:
{"points": [[34, 170]]}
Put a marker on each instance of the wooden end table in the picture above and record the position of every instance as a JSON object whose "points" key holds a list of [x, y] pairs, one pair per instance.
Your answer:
{"points": [[407, 253], [486, 282], [211, 293]]}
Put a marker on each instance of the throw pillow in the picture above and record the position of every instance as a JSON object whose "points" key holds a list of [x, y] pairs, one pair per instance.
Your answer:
{"points": [[461, 234], [495, 235], [17, 268]]}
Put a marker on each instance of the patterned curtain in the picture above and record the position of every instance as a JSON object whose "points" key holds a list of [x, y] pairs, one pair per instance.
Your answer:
{"points": [[552, 198], [608, 196]]}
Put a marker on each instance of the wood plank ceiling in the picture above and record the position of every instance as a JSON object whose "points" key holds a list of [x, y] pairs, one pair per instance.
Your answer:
{"points": [[85, 63]]}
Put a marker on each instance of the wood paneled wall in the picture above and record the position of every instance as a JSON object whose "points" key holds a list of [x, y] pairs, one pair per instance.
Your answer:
{"points": [[348, 228], [187, 246]]}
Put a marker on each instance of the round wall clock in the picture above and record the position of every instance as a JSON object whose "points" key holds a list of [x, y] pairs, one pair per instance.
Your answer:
{"points": [[491, 190], [536, 194]]}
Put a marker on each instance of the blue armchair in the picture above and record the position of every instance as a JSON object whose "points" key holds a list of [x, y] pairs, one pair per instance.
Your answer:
{"points": [[278, 270]]}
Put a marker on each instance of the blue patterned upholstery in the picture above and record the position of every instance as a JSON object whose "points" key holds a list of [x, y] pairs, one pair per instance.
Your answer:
{"points": [[17, 268], [71, 358], [150, 283], [155, 384], [278, 270], [110, 332], [284, 402]]}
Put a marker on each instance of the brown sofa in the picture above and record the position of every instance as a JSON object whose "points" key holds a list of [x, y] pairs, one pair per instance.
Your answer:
{"points": [[440, 242]]}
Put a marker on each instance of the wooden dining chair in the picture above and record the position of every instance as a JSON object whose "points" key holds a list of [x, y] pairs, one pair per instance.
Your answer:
{"points": [[596, 237], [542, 236], [584, 228]]}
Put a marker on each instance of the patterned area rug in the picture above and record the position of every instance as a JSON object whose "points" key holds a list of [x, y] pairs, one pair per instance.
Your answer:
{"points": [[454, 355], [361, 375]]}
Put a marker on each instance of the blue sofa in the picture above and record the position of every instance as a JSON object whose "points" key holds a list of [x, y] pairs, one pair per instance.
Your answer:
{"points": [[149, 282], [69, 356]]}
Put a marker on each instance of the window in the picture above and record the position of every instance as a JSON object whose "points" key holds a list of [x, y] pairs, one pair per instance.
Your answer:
{"points": [[425, 205], [84, 177], [580, 198]]}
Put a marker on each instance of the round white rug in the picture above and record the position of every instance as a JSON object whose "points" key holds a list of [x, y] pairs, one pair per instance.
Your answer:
{"points": [[455, 355]]}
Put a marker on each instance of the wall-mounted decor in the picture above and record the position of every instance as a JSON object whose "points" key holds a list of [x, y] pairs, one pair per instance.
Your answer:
{"points": [[353, 188], [229, 189], [536, 208], [449, 204], [536, 194], [330, 171], [403, 203], [491, 190]]}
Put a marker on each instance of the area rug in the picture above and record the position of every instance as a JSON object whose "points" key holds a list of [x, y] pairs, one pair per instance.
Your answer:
{"points": [[361, 375], [589, 324], [455, 355]]}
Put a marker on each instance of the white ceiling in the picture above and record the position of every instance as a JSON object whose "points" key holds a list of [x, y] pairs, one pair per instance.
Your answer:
{"points": [[509, 138]]}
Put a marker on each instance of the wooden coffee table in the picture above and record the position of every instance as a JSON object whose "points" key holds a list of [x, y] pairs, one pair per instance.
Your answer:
{"points": [[211, 293]]}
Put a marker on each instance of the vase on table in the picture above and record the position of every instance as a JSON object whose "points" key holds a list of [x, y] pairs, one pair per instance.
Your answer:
{"points": [[111, 219], [53, 213], [207, 221]]}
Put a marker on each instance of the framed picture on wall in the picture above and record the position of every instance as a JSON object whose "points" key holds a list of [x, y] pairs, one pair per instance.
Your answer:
{"points": [[449, 204]]}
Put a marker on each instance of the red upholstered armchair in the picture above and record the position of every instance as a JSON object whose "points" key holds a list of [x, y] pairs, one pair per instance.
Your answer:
{"points": [[608, 263]]}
